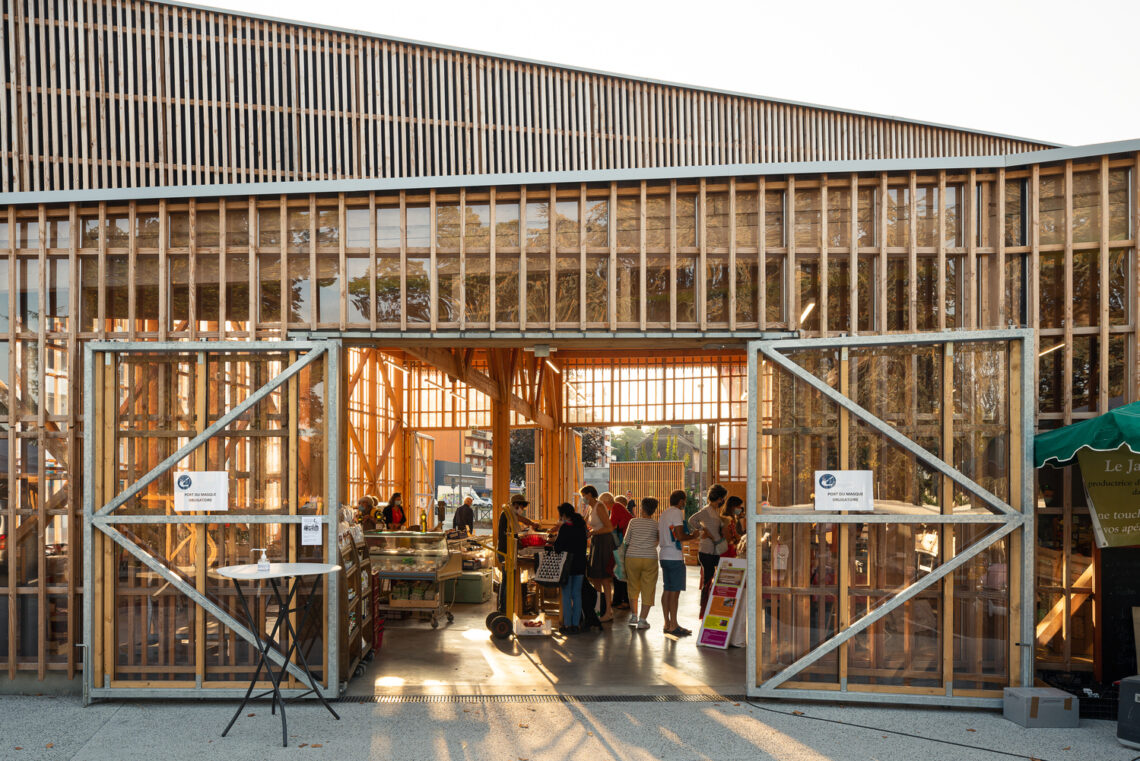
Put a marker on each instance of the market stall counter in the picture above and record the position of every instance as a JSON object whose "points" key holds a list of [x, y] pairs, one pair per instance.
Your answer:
{"points": [[412, 567]]}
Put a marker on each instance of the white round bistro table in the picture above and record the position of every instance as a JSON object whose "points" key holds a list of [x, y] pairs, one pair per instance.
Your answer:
{"points": [[276, 572]]}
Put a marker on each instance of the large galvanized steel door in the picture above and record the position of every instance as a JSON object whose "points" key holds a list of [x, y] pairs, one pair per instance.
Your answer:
{"points": [[158, 621], [928, 597]]}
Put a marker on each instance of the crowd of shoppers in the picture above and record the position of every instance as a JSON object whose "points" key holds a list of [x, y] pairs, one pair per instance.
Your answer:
{"points": [[646, 544]]}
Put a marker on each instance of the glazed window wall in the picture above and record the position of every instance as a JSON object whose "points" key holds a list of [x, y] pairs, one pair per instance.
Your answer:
{"points": [[1049, 247]]}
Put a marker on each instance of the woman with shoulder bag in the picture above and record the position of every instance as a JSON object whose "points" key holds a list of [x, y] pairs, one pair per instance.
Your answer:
{"points": [[713, 543], [572, 539]]}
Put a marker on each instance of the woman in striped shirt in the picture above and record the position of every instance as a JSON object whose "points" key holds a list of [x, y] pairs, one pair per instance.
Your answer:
{"points": [[640, 548]]}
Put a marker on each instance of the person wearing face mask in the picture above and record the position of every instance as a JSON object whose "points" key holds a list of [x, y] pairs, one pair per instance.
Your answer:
{"points": [[394, 515], [732, 524], [519, 504]]}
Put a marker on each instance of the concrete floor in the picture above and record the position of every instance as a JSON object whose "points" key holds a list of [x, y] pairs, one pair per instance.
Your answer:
{"points": [[461, 658], [60, 729]]}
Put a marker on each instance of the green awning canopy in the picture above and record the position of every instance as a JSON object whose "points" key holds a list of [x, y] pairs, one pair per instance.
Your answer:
{"points": [[1105, 433]]}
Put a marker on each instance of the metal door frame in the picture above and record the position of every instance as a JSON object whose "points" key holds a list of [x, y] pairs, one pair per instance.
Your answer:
{"points": [[1007, 519], [102, 518]]}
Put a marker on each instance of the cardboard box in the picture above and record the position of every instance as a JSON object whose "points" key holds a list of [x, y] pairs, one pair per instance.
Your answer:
{"points": [[1035, 707]]}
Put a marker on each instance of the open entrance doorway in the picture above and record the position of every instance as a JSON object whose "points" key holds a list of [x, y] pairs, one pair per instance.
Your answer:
{"points": [[633, 423]]}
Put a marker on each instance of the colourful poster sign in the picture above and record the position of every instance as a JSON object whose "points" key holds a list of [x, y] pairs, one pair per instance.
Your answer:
{"points": [[1112, 483], [724, 603]]}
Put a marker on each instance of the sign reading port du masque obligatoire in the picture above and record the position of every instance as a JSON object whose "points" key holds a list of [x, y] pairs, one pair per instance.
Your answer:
{"points": [[844, 490]]}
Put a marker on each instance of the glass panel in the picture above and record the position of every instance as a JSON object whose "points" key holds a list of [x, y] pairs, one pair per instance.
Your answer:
{"points": [[981, 615], [954, 221], [747, 209], [597, 288], [447, 288], [774, 289], [5, 296], [388, 301], [27, 293], [208, 278], [358, 232], [538, 226], [1119, 193], [268, 227], [1086, 288], [717, 287], [926, 215], [627, 285], [808, 217], [1086, 373], [447, 226], [146, 230], [747, 289], [1117, 371], [657, 279], [237, 287], [1119, 299], [717, 224], [687, 222], [147, 289], [537, 289], [237, 227], [1052, 290], [898, 216], [477, 288], [868, 216], [1016, 308], [956, 293], [567, 225], [838, 216], [838, 295], [926, 293], [688, 283], [59, 233], [568, 293], [118, 291], [506, 288], [419, 226], [774, 218], [808, 284], [628, 223], [800, 601], [477, 227], [56, 310], [269, 288], [867, 291], [898, 293], [1016, 224], [1052, 209], [328, 289], [507, 224], [597, 223], [657, 223], [1086, 207]]}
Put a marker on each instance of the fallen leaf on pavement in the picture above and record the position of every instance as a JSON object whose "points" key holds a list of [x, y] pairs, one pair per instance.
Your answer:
{"points": [[736, 704], [50, 745], [524, 726], [303, 745], [797, 713], [316, 745], [971, 730], [251, 714], [1067, 747]]}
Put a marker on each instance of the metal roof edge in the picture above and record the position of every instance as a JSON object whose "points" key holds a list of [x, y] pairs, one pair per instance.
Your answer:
{"points": [[565, 177], [598, 72]]}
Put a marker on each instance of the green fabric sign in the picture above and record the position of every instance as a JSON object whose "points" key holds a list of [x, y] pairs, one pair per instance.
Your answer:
{"points": [[1112, 483], [1104, 433]]}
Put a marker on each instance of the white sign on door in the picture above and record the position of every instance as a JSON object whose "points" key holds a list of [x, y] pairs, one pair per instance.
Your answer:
{"points": [[202, 490], [311, 530], [844, 490]]}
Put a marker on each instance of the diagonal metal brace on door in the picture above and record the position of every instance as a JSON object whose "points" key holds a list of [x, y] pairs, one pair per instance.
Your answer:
{"points": [[218, 426], [770, 351], [895, 601], [191, 592]]}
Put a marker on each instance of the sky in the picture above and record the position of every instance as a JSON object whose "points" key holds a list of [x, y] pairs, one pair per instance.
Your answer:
{"points": [[1053, 71]]}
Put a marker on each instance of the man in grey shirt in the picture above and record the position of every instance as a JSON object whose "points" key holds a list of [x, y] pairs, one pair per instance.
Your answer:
{"points": [[706, 522]]}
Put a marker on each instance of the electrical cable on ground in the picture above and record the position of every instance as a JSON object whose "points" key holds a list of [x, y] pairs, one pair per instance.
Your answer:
{"points": [[897, 732]]}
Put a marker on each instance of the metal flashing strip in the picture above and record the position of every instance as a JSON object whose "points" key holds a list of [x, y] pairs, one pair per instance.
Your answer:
{"points": [[595, 72], [304, 187]]}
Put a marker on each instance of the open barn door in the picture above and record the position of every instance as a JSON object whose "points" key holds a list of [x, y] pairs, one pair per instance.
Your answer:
{"points": [[158, 621], [927, 597]]}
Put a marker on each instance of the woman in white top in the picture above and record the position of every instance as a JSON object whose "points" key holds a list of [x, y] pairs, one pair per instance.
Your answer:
{"points": [[640, 550]]}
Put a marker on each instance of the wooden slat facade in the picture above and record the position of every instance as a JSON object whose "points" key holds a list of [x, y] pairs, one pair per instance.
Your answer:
{"points": [[1048, 246], [109, 94]]}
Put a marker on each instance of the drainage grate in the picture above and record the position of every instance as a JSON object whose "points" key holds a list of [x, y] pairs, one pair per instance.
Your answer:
{"points": [[695, 698]]}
